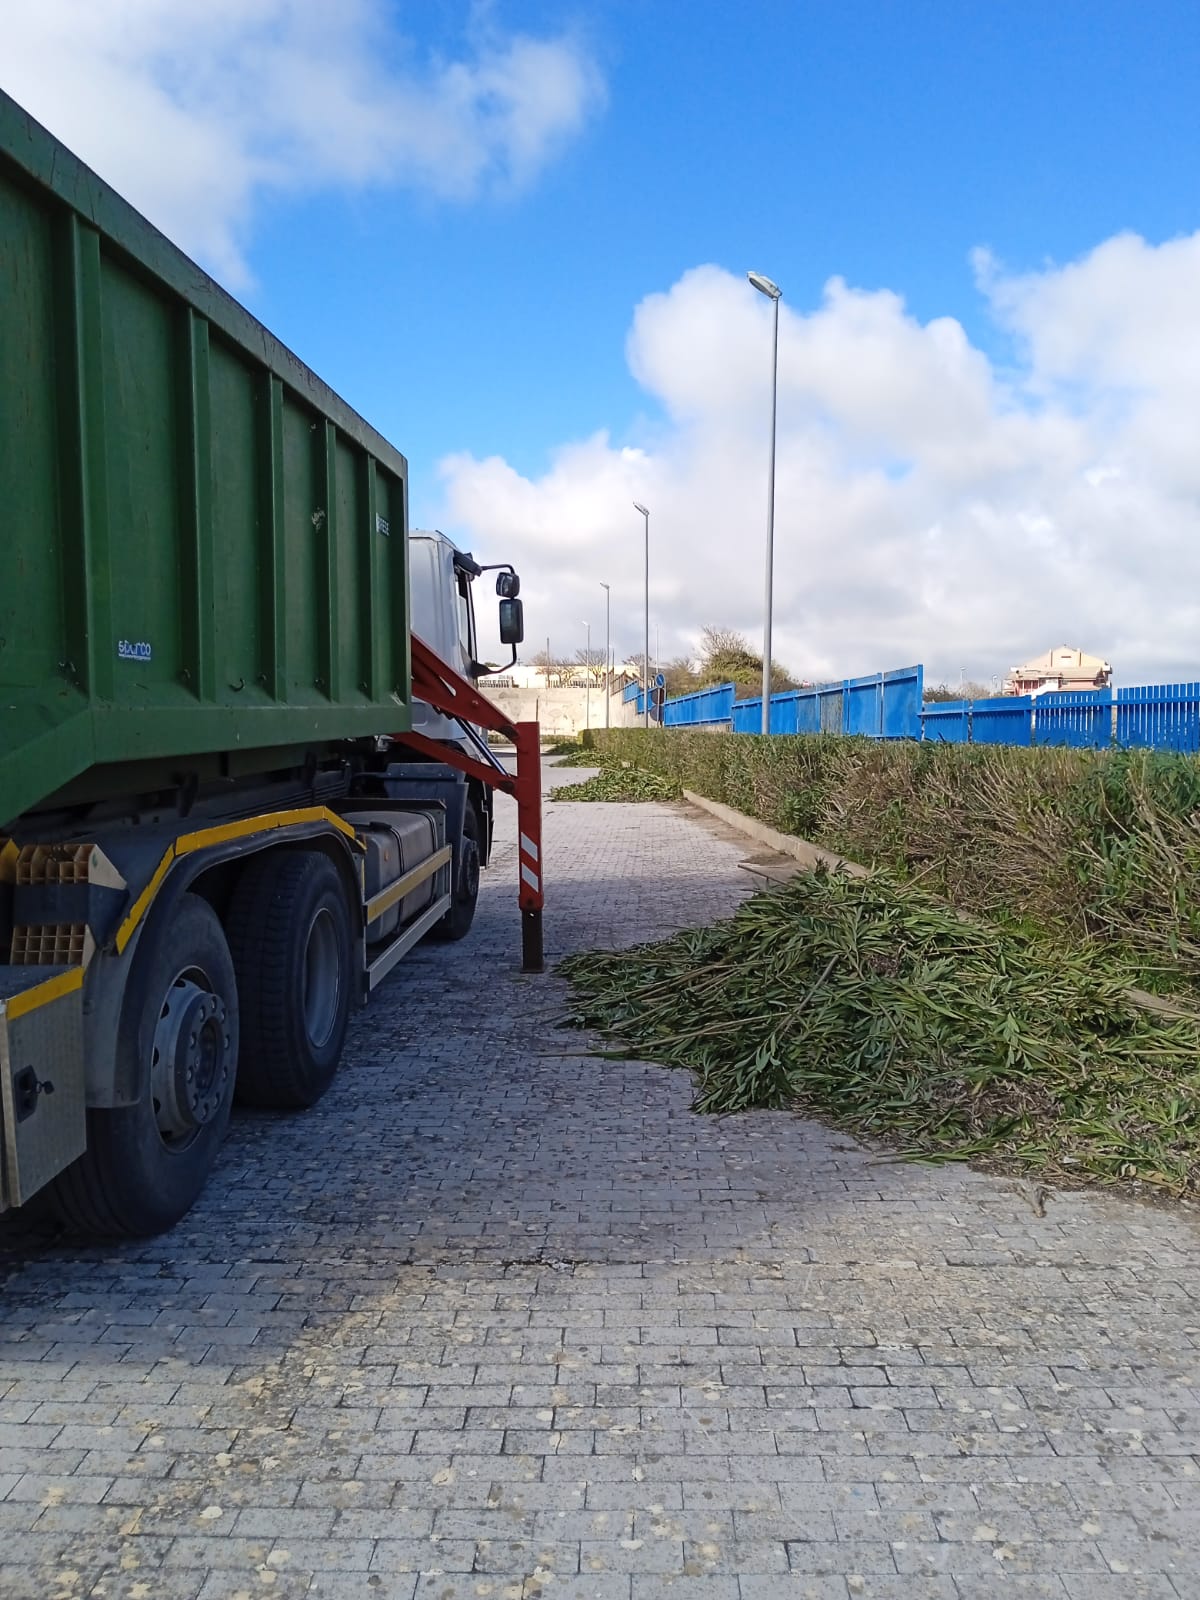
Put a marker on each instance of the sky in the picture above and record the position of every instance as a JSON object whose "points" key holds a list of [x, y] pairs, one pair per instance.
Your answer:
{"points": [[515, 237]]}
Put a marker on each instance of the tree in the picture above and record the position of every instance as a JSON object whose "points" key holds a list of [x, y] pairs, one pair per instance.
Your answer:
{"points": [[591, 663], [726, 657], [965, 691], [553, 666], [680, 675], [722, 641]]}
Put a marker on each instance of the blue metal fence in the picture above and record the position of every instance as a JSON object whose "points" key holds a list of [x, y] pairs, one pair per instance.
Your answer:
{"points": [[1082, 718], [747, 716], [888, 705], [1007, 719], [900, 703], [1162, 716], [947, 721], [816, 709], [702, 708]]}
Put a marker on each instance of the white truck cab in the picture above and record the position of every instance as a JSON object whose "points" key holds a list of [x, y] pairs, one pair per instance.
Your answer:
{"points": [[443, 615], [441, 585]]}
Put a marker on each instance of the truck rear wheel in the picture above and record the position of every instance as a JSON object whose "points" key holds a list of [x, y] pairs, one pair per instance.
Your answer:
{"points": [[456, 924], [145, 1164], [289, 930]]}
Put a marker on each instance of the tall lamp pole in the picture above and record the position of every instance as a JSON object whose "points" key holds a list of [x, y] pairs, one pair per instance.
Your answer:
{"points": [[637, 506], [773, 293], [587, 682], [607, 643]]}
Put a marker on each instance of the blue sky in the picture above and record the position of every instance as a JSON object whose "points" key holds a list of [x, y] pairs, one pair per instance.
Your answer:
{"points": [[513, 235], [876, 141]]}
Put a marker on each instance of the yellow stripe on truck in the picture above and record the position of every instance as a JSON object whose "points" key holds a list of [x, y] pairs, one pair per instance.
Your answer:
{"points": [[188, 843], [204, 838], [20, 1005]]}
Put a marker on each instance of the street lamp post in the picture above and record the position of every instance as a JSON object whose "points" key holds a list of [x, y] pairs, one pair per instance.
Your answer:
{"points": [[773, 293], [637, 506], [607, 644], [587, 682]]}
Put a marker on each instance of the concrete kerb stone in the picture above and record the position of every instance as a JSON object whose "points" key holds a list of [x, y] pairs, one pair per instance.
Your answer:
{"points": [[803, 851]]}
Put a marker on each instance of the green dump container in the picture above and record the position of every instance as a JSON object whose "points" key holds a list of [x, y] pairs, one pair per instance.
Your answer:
{"points": [[203, 550]]}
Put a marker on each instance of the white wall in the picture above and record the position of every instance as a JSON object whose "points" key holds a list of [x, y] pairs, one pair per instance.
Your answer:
{"points": [[561, 712]]}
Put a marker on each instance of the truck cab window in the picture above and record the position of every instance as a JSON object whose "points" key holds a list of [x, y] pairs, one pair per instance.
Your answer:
{"points": [[466, 615]]}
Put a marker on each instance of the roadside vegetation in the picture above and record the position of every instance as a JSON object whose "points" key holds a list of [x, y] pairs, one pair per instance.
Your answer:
{"points": [[623, 784], [981, 993], [579, 756], [1091, 850], [870, 1003]]}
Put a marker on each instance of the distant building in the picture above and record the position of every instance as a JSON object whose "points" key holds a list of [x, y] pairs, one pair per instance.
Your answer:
{"points": [[1060, 668], [562, 675]]}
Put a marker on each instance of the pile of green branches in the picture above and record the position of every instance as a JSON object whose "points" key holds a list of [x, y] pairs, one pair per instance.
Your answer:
{"points": [[581, 756], [872, 1004], [1098, 847], [619, 783]]}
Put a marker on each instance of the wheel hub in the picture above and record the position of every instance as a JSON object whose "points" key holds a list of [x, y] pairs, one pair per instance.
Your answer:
{"points": [[193, 1051]]}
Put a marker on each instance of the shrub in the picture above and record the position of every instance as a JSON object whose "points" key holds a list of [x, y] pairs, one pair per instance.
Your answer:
{"points": [[1084, 844]]}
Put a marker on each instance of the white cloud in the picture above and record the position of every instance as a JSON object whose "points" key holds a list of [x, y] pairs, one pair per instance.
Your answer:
{"points": [[194, 109], [929, 505]]}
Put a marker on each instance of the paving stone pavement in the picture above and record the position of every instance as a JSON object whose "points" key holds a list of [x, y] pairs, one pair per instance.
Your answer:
{"points": [[500, 1319]]}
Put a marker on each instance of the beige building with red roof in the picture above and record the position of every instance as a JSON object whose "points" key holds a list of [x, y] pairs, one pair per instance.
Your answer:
{"points": [[1060, 668]]}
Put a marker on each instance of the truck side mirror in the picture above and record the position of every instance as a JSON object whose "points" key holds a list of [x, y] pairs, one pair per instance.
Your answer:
{"points": [[508, 585], [512, 622]]}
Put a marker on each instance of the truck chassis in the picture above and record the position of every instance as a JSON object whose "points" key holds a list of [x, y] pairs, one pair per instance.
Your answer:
{"points": [[162, 962]]}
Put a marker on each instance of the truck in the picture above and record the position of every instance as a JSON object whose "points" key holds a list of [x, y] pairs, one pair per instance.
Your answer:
{"points": [[236, 788]]}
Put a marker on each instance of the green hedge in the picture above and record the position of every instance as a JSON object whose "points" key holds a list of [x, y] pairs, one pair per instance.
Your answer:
{"points": [[1084, 844]]}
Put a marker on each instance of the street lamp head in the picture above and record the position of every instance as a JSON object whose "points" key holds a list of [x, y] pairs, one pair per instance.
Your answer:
{"points": [[638, 506], [603, 585], [764, 285]]}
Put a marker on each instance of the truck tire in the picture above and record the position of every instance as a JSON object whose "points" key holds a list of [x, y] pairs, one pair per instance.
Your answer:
{"points": [[146, 1164], [293, 951], [456, 924]]}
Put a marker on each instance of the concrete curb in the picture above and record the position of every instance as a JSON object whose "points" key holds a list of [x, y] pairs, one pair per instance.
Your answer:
{"points": [[785, 844]]}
